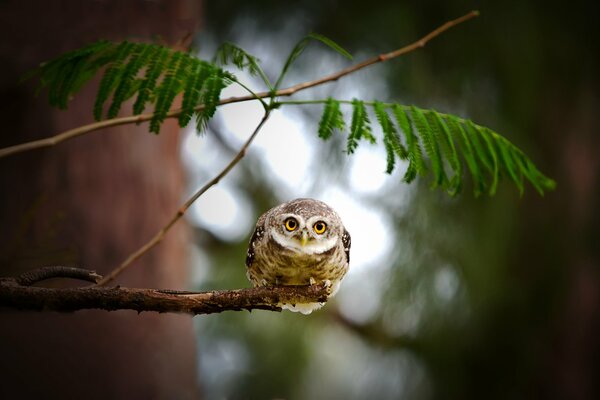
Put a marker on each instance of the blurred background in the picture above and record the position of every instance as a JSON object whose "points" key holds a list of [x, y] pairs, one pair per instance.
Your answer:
{"points": [[448, 298]]}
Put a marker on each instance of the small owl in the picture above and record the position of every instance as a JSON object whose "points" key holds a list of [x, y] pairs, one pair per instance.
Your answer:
{"points": [[301, 242]]}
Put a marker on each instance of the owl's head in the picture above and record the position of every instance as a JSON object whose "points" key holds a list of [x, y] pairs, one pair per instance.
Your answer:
{"points": [[306, 225]]}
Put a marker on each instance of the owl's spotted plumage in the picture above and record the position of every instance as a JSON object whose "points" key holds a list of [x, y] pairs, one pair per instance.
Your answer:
{"points": [[300, 242]]}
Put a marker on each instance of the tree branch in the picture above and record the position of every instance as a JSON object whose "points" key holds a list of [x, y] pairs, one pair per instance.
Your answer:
{"points": [[181, 212], [73, 133], [41, 274], [14, 295]]}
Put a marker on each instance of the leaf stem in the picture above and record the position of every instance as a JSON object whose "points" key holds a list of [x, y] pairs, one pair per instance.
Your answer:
{"points": [[182, 210]]}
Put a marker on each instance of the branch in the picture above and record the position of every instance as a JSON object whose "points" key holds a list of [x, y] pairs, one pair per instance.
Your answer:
{"points": [[72, 133], [41, 274], [181, 212], [14, 295]]}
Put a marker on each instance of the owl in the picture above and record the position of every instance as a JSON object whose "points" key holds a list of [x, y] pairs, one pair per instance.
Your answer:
{"points": [[301, 242]]}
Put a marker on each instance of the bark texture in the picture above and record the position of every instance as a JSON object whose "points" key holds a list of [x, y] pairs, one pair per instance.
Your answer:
{"points": [[90, 202]]}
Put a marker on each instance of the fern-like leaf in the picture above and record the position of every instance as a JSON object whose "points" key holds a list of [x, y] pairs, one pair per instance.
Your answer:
{"points": [[229, 53], [166, 92], [299, 48], [391, 140], [460, 136], [138, 58], [331, 119], [360, 126], [448, 141], [210, 98], [166, 73], [111, 77], [416, 164], [193, 92], [155, 68], [430, 144]]}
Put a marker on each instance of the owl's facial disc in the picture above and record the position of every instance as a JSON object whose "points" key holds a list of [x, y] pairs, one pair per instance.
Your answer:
{"points": [[310, 237]]}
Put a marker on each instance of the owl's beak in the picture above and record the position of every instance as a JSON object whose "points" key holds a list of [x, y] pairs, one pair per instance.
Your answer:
{"points": [[304, 238]]}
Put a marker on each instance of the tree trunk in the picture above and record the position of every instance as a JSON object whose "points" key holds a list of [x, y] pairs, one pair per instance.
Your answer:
{"points": [[89, 203]]}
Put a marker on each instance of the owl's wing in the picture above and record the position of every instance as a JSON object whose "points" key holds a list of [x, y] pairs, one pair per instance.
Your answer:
{"points": [[346, 242], [259, 231]]}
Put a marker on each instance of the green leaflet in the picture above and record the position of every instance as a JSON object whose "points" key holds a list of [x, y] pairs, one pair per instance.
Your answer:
{"points": [[451, 153], [166, 92], [468, 153], [138, 59], [429, 138], [360, 126], [111, 77], [391, 140], [154, 69], [331, 119], [416, 165], [299, 48]]}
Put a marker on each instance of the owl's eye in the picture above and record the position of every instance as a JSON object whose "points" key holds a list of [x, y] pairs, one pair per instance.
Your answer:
{"points": [[320, 227], [290, 224]]}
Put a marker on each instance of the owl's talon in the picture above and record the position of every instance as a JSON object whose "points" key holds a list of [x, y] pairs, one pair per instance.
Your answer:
{"points": [[327, 283], [311, 281]]}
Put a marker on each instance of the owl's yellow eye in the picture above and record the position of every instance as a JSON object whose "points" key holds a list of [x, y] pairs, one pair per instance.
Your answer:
{"points": [[290, 224], [320, 227]]}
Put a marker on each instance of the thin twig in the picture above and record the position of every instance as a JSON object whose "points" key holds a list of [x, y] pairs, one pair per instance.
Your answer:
{"points": [[41, 274], [161, 234], [35, 298], [72, 133]]}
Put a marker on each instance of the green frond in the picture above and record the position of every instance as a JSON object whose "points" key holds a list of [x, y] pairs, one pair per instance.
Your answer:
{"points": [[509, 164], [193, 91], [462, 140], [332, 118], [155, 68], [168, 89], [416, 165], [153, 74], [331, 44], [447, 142], [299, 48], [360, 126], [210, 98], [63, 75], [429, 138], [391, 140], [229, 53], [111, 77], [138, 58], [487, 137]]}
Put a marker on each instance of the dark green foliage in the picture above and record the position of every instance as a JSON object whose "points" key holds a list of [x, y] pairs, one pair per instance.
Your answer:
{"points": [[299, 48], [391, 140], [229, 53], [155, 75], [448, 141], [331, 119], [360, 126], [166, 73], [416, 165]]}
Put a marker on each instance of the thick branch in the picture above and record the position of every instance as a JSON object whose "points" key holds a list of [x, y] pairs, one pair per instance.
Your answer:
{"points": [[33, 298], [41, 274], [72, 133]]}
